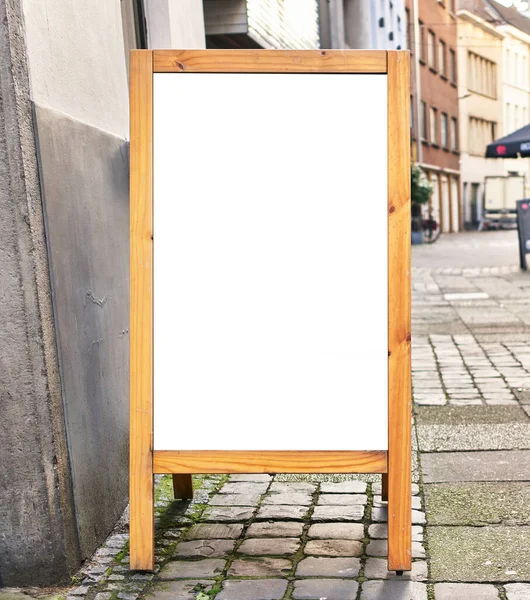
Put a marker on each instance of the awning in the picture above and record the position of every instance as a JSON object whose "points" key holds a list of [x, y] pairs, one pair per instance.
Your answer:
{"points": [[511, 146]]}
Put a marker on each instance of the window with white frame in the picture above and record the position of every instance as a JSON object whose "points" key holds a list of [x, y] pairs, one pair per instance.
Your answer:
{"points": [[433, 122], [444, 130]]}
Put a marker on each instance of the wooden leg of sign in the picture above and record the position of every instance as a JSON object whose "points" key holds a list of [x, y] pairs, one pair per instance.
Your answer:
{"points": [[183, 487], [384, 487], [399, 392]]}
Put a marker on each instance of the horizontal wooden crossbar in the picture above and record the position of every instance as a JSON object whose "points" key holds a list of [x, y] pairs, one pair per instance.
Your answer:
{"points": [[269, 461], [270, 61]]}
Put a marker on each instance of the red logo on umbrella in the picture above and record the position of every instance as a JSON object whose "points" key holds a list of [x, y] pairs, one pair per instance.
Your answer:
{"points": [[501, 149]]}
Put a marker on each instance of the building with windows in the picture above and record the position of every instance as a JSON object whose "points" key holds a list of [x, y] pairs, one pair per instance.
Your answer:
{"points": [[479, 90], [494, 92], [515, 82], [373, 24], [432, 39]]}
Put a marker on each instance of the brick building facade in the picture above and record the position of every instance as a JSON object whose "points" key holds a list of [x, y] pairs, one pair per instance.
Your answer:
{"points": [[432, 39]]}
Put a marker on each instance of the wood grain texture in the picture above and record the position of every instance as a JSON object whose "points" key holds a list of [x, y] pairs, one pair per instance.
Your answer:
{"points": [[270, 61], [182, 487], [141, 315], [399, 388], [269, 461]]}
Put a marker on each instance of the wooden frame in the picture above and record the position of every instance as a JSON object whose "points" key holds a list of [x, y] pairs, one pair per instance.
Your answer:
{"points": [[394, 464]]}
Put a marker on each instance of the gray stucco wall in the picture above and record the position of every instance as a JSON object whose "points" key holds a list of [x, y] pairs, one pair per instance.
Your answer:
{"points": [[84, 177], [38, 536]]}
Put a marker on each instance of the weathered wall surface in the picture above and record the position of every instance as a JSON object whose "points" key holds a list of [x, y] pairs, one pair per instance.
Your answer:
{"points": [[38, 538], [84, 174], [78, 82]]}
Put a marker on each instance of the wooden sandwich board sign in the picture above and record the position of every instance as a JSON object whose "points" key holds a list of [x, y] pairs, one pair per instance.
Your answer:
{"points": [[270, 266]]}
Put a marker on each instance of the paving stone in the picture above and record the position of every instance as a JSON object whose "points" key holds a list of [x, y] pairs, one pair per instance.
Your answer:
{"points": [[274, 529], [328, 567], [395, 590], [183, 569], [205, 531], [248, 499], [337, 531], [343, 487], [341, 499], [179, 590], [469, 415], [488, 554], [430, 399], [437, 438], [260, 567], [353, 512], [376, 489], [244, 487], [206, 548], [380, 548], [469, 591], [333, 548], [228, 513], [330, 589], [274, 546], [517, 591], [253, 589], [286, 498], [380, 531], [295, 486], [257, 477], [499, 465], [378, 502], [376, 568], [272, 511], [478, 503], [381, 514]]}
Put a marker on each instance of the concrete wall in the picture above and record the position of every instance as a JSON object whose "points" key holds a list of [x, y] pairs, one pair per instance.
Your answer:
{"points": [[38, 539], [78, 83], [175, 23], [76, 59]]}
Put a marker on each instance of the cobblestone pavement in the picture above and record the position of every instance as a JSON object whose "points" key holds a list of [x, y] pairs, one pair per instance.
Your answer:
{"points": [[259, 537]]}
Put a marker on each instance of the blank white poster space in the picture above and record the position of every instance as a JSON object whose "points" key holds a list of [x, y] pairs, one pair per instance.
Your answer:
{"points": [[270, 262]]}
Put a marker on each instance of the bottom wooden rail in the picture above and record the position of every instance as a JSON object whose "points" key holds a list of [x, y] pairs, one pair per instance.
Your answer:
{"points": [[269, 461]]}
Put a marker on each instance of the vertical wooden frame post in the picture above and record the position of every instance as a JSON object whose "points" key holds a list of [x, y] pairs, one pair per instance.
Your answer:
{"points": [[399, 333], [141, 495]]}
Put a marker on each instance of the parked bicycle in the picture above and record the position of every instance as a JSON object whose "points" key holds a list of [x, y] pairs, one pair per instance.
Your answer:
{"points": [[431, 230]]}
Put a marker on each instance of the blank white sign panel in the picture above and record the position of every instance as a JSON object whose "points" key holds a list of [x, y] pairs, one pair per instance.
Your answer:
{"points": [[270, 262]]}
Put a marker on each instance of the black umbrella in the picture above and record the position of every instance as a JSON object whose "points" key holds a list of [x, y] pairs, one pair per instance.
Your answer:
{"points": [[511, 146]]}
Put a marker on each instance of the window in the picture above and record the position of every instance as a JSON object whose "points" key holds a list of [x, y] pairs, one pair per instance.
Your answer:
{"points": [[441, 59], [433, 118], [444, 123], [481, 133], [422, 41], [482, 75], [412, 113], [454, 134], [431, 50], [423, 120], [516, 117], [452, 66]]}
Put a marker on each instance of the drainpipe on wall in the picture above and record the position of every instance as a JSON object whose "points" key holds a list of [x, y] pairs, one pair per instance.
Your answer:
{"points": [[417, 43]]}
